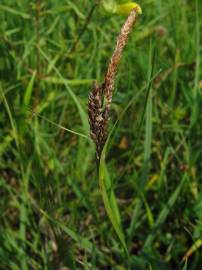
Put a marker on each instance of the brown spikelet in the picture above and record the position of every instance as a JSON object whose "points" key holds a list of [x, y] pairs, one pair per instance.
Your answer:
{"points": [[98, 110], [97, 118]]}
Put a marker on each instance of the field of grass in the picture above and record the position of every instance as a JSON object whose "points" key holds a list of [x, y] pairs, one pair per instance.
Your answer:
{"points": [[52, 213]]}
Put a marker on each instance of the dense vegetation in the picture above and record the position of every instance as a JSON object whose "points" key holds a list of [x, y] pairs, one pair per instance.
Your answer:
{"points": [[51, 211]]}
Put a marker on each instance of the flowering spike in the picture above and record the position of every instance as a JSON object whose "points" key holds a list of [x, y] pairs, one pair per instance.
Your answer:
{"points": [[100, 97]]}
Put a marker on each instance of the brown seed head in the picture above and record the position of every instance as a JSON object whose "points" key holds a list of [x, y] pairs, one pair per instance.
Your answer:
{"points": [[97, 111]]}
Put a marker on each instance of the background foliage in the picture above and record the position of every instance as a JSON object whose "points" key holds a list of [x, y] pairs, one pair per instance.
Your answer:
{"points": [[52, 214]]}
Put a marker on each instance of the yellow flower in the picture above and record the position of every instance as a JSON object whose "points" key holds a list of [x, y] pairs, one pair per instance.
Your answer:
{"points": [[110, 6], [127, 7]]}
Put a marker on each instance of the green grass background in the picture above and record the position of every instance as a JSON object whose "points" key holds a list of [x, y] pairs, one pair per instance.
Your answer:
{"points": [[51, 211]]}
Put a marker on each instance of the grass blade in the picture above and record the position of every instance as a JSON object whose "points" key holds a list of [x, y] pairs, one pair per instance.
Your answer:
{"points": [[14, 12], [83, 242], [29, 89], [82, 112], [164, 213], [111, 213]]}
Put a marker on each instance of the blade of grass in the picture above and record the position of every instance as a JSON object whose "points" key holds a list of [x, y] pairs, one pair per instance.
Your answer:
{"points": [[111, 213], [15, 134], [59, 126], [24, 214], [185, 265], [197, 69], [111, 196], [192, 249], [14, 12], [82, 242], [73, 82], [29, 89], [164, 213], [147, 144], [82, 112]]}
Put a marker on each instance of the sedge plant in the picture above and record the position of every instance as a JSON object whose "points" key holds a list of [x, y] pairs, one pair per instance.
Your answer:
{"points": [[99, 104]]}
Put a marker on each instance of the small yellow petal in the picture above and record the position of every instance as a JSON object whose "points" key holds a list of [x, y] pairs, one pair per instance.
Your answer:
{"points": [[127, 7]]}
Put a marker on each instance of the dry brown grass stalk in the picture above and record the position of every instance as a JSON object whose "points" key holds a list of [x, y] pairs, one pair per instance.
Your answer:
{"points": [[100, 97]]}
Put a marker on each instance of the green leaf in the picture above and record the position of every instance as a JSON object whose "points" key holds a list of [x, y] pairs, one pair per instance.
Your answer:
{"points": [[164, 213], [111, 213], [14, 12], [29, 89], [74, 82]]}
